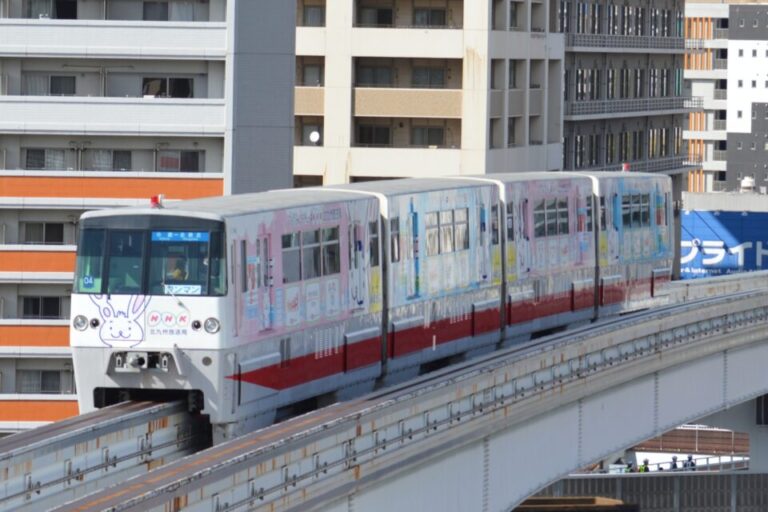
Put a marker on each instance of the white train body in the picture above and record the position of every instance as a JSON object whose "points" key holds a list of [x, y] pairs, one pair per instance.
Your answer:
{"points": [[254, 304]]}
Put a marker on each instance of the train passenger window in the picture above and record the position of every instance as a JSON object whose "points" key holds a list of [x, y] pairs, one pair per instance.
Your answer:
{"points": [[636, 211], [510, 222], [432, 229], [588, 214], [291, 258], [394, 239], [645, 210], [217, 265], [446, 231], [603, 218], [310, 254], [626, 211], [244, 265], [331, 251], [412, 236], [126, 254], [495, 224], [551, 217], [461, 228], [90, 261], [562, 217], [539, 220], [373, 243]]}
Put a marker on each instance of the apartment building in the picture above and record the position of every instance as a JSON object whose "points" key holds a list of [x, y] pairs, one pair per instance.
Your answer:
{"points": [[106, 103], [726, 66], [625, 100], [401, 88]]}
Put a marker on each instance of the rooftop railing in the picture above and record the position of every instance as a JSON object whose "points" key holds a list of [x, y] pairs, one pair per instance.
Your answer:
{"points": [[618, 41]]}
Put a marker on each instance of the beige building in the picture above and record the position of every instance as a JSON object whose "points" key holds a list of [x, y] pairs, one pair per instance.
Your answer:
{"points": [[403, 88]]}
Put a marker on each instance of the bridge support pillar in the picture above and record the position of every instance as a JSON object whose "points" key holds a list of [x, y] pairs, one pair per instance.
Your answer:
{"points": [[743, 418]]}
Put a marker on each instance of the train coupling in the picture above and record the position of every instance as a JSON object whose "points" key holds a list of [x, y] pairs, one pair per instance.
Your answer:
{"points": [[135, 361]]}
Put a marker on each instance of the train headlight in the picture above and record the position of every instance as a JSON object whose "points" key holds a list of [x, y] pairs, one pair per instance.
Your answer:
{"points": [[80, 323], [212, 325]]}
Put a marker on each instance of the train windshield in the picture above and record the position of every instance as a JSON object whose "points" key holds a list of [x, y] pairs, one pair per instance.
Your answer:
{"points": [[151, 262]]}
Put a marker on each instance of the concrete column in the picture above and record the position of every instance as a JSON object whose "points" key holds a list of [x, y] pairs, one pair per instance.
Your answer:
{"points": [[475, 85], [339, 116]]}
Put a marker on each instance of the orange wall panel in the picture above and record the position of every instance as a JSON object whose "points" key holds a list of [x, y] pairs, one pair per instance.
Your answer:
{"points": [[32, 261], [37, 410], [34, 335], [122, 188]]}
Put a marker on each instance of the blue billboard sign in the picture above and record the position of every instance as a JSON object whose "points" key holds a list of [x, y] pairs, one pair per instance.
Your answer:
{"points": [[718, 243]]}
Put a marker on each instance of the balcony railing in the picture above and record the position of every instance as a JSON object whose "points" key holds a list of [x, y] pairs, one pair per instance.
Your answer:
{"points": [[617, 41], [721, 94], [585, 108], [721, 64], [668, 163], [720, 155], [719, 124], [720, 33]]}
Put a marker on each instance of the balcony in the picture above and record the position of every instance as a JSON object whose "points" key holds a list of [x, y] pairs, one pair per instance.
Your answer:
{"points": [[720, 33], [603, 42], [720, 64], [309, 101], [112, 39], [638, 106], [719, 124], [721, 94], [51, 260], [77, 185], [408, 43], [404, 162], [421, 103], [663, 164], [34, 333], [112, 116], [720, 155]]}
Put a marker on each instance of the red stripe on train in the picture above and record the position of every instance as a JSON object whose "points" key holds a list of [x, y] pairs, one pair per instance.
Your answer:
{"points": [[301, 370]]}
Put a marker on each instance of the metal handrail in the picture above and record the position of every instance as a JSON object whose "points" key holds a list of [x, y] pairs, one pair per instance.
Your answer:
{"points": [[575, 108], [661, 164], [720, 155], [617, 41], [720, 64], [721, 94], [719, 124]]}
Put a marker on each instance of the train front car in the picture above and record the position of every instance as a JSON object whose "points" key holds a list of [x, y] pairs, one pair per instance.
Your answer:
{"points": [[147, 307], [636, 240]]}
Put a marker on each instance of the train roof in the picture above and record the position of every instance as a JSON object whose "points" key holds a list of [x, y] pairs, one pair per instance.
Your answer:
{"points": [[407, 185], [220, 207]]}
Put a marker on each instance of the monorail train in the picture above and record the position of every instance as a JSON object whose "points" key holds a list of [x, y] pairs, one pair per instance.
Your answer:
{"points": [[249, 305]]}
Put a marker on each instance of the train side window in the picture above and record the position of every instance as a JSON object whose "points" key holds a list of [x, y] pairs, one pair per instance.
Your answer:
{"points": [[603, 218], [626, 212], [551, 217], [394, 239], [265, 262], [461, 228], [257, 268], [562, 217], [539, 220], [291, 258], [645, 210], [90, 261], [495, 224], [510, 222], [412, 247], [244, 264], [373, 243], [310, 254], [446, 231], [331, 251], [432, 229], [587, 225], [636, 211]]}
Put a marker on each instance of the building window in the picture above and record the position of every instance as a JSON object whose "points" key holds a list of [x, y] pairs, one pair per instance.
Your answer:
{"points": [[375, 17], [738, 114], [44, 159], [739, 145], [374, 76], [424, 136], [37, 84], [511, 125], [307, 131], [374, 135], [41, 307], [754, 53], [754, 83], [741, 52], [155, 11], [179, 161], [168, 87], [752, 146], [108, 160], [314, 16], [428, 17], [431, 78], [740, 83], [312, 75], [40, 381], [43, 233]]}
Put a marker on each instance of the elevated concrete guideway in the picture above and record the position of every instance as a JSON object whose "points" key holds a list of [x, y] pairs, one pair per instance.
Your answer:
{"points": [[486, 435]]}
